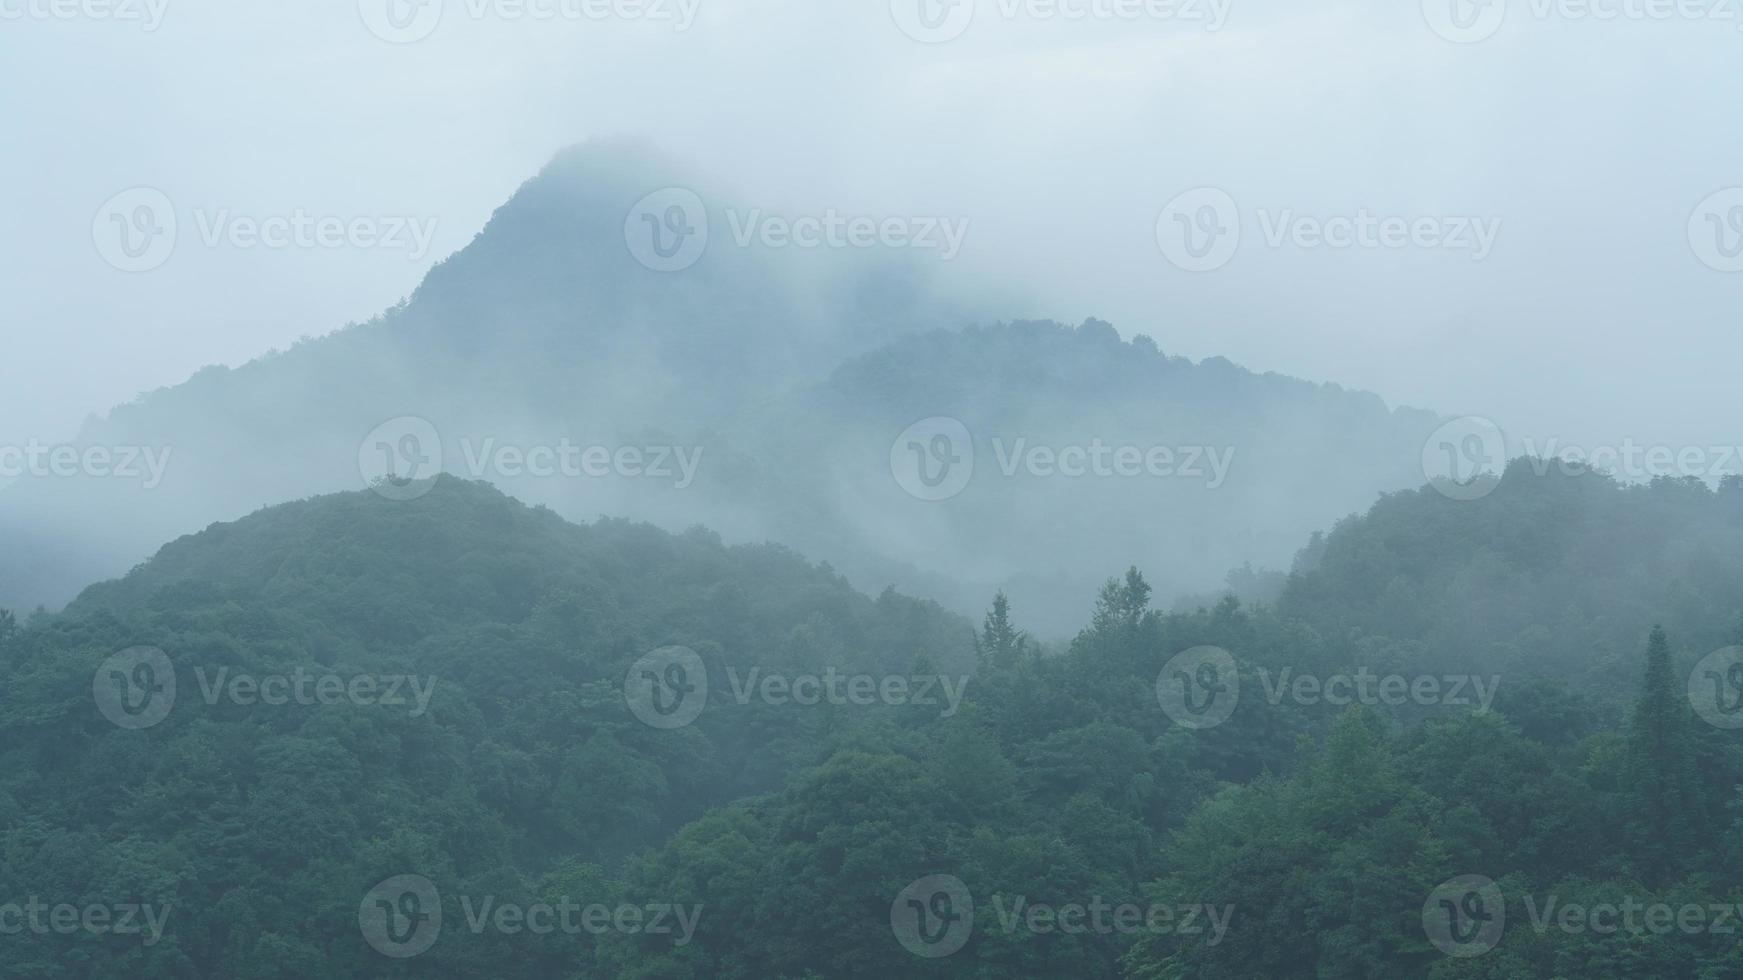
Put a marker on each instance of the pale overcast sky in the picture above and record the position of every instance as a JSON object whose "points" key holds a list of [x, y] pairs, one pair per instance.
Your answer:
{"points": [[1576, 284]]}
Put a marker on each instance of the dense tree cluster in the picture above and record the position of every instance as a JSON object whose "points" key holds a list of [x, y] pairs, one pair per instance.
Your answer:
{"points": [[1059, 782]]}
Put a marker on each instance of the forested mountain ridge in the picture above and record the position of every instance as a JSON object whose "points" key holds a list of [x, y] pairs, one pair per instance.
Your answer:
{"points": [[341, 686], [1551, 578], [517, 764], [1238, 466], [785, 379], [545, 327]]}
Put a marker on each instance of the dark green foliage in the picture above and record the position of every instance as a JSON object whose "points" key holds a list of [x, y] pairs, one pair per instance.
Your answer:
{"points": [[1000, 645], [1058, 779], [1551, 578], [1666, 813], [263, 826]]}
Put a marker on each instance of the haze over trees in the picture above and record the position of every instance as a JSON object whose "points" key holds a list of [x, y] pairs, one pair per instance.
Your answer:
{"points": [[786, 377], [795, 711], [525, 777]]}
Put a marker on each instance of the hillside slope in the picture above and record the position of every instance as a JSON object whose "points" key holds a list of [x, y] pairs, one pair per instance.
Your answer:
{"points": [[343, 689], [768, 393]]}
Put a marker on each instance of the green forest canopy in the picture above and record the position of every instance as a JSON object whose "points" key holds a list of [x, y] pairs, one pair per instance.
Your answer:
{"points": [[772, 838]]}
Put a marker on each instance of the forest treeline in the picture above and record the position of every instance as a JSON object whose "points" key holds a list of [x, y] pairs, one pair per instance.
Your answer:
{"points": [[1453, 723]]}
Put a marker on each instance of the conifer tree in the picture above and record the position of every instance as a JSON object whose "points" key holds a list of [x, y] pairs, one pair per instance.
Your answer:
{"points": [[1665, 808], [1000, 645]]}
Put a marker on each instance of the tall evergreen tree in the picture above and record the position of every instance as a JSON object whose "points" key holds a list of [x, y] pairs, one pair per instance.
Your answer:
{"points": [[1000, 645], [1664, 793]]}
